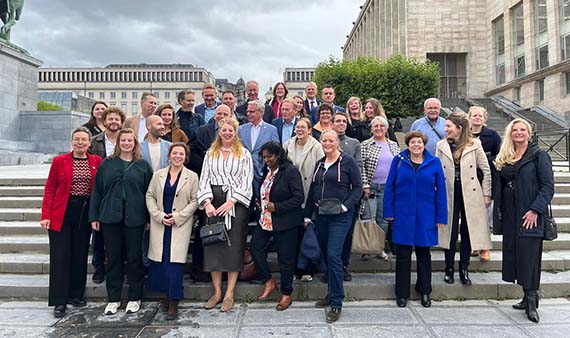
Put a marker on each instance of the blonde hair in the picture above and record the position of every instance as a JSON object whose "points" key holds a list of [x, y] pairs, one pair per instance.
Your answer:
{"points": [[136, 149], [507, 151], [237, 147], [330, 131], [465, 139], [378, 109], [348, 103], [474, 108]]}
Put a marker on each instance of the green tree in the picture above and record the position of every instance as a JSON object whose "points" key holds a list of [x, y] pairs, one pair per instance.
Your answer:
{"points": [[48, 106], [401, 84]]}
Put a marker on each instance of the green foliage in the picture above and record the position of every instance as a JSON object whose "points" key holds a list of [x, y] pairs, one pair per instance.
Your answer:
{"points": [[400, 84], [48, 106]]}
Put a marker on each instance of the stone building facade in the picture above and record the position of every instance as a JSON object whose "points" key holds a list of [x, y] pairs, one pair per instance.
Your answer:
{"points": [[296, 78], [516, 48], [122, 85]]}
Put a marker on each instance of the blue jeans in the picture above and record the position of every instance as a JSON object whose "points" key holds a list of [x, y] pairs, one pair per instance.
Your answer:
{"points": [[377, 205], [331, 232]]}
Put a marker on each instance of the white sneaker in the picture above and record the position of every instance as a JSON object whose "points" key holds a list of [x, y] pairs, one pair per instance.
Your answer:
{"points": [[306, 278], [133, 306], [383, 256], [112, 308]]}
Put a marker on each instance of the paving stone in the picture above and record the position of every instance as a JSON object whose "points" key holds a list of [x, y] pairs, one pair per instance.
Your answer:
{"points": [[285, 332], [34, 317], [186, 332], [465, 331], [454, 315], [549, 314], [94, 317], [197, 316], [21, 331], [388, 315], [78, 332], [290, 316], [381, 331], [549, 331]]}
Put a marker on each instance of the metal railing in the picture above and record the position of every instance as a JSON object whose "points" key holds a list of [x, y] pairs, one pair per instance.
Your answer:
{"points": [[551, 141]]}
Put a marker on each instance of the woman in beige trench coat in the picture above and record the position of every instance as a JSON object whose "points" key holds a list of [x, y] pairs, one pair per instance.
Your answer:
{"points": [[461, 156], [171, 200]]}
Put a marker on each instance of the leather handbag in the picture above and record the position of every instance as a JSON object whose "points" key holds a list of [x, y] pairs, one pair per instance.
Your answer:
{"points": [[214, 233], [368, 238], [330, 206], [550, 227]]}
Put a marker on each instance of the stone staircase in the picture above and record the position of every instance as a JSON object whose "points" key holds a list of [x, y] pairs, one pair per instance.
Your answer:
{"points": [[24, 257]]}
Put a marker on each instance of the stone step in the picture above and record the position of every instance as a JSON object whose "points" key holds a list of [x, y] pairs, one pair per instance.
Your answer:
{"points": [[17, 191], [363, 286], [555, 260], [561, 210], [562, 188], [21, 202], [21, 229], [20, 214]]}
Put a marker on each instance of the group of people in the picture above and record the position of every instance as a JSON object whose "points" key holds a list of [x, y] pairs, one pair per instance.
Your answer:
{"points": [[301, 167]]}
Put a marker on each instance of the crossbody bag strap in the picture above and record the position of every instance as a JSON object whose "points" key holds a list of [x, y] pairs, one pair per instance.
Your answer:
{"points": [[118, 179], [433, 128]]}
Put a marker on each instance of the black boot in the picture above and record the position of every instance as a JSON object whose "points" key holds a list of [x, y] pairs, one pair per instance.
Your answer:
{"points": [[448, 276], [464, 276], [531, 305], [521, 305]]}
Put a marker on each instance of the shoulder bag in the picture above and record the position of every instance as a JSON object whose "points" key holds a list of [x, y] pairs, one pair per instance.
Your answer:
{"points": [[214, 233], [550, 227]]}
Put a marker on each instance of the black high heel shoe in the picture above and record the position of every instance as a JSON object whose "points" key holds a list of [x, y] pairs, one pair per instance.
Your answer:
{"points": [[531, 305], [520, 305], [425, 300], [464, 277], [448, 276]]}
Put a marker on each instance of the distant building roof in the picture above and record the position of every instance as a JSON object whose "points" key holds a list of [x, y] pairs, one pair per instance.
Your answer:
{"points": [[150, 65]]}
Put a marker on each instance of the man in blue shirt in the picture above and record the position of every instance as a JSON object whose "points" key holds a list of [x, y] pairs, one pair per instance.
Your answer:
{"points": [[431, 124], [208, 108], [286, 125]]}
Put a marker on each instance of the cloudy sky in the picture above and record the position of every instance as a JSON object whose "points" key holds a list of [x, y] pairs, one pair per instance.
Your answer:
{"points": [[255, 39]]}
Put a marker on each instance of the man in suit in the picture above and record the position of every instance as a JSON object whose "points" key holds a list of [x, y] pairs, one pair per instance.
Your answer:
{"points": [[311, 100], [252, 89], [210, 104], [138, 122], [328, 96], [229, 99], [253, 135], [286, 125]]}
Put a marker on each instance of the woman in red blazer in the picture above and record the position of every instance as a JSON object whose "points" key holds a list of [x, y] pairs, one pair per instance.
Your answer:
{"points": [[65, 209]]}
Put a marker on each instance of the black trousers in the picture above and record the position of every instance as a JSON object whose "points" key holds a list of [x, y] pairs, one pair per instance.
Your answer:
{"points": [[68, 253], [456, 228], [124, 244], [98, 248], [285, 243], [404, 267]]}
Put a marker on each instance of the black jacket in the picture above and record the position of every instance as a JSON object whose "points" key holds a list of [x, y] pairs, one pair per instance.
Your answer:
{"points": [[491, 142], [287, 194], [342, 180], [534, 188], [267, 113]]}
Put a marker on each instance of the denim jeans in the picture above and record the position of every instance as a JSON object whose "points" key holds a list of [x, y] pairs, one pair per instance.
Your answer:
{"points": [[331, 232], [377, 205]]}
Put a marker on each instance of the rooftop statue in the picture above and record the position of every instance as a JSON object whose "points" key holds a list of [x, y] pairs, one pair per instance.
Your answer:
{"points": [[10, 12]]}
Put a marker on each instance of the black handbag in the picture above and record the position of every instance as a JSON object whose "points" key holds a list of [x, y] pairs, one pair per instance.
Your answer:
{"points": [[214, 233], [550, 227], [330, 206]]}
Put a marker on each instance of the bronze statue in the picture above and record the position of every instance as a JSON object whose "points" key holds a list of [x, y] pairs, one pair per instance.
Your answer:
{"points": [[10, 11]]}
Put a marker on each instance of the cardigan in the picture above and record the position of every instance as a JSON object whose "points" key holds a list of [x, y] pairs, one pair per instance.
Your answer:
{"points": [[108, 199], [58, 187]]}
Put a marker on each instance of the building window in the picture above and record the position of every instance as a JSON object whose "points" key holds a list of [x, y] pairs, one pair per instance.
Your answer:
{"points": [[135, 107], [517, 94], [565, 28], [102, 95], [124, 107], [156, 95], [113, 95], [540, 90], [113, 104], [91, 95], [499, 27], [567, 78], [518, 40], [541, 38], [135, 95], [167, 95], [123, 95]]}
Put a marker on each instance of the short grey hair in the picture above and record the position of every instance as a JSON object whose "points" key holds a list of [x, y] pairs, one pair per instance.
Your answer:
{"points": [[432, 99], [252, 82], [260, 106], [81, 130], [381, 119]]}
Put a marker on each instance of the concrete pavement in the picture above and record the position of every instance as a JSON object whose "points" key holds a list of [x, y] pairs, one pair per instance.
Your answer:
{"points": [[365, 319]]}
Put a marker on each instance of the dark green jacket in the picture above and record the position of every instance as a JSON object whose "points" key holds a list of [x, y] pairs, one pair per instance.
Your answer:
{"points": [[107, 198]]}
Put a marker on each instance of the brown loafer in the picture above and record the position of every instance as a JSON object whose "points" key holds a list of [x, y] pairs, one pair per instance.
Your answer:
{"points": [[227, 305], [212, 302], [284, 303], [164, 303], [269, 287]]}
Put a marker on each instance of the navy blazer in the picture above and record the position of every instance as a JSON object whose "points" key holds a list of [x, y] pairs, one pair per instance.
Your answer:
{"points": [[268, 133], [267, 112], [278, 123], [306, 104], [201, 110]]}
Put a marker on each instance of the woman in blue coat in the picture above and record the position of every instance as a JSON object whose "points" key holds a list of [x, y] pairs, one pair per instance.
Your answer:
{"points": [[415, 201]]}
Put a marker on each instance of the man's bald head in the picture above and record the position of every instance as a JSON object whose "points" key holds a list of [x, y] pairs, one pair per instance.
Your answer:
{"points": [[222, 111]]}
